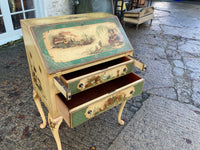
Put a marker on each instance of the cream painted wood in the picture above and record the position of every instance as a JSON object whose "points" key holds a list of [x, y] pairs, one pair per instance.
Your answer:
{"points": [[100, 71], [97, 105], [54, 126], [120, 121], [139, 20], [105, 96], [62, 19], [139, 65], [35, 61], [39, 106], [64, 111], [62, 88], [47, 81], [139, 16], [114, 71], [58, 74], [44, 85], [139, 12]]}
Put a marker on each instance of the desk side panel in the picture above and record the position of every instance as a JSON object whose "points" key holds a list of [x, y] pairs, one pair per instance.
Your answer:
{"points": [[37, 70]]}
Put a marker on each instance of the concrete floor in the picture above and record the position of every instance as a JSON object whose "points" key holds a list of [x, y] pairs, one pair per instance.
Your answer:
{"points": [[166, 116]]}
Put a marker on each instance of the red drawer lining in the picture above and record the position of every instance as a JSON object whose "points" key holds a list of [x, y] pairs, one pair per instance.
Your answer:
{"points": [[95, 68], [98, 91]]}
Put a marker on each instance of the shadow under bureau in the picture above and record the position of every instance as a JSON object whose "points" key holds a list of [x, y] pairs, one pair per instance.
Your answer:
{"points": [[80, 66]]}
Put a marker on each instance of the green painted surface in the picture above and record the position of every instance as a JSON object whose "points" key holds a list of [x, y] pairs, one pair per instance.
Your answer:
{"points": [[110, 106], [130, 68], [138, 89], [53, 66], [73, 85], [79, 117]]}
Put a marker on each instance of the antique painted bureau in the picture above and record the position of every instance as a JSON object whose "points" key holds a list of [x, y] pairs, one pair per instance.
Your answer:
{"points": [[80, 66]]}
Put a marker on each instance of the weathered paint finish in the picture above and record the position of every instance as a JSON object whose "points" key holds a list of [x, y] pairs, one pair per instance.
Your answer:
{"points": [[99, 78], [43, 67], [73, 87], [82, 41], [54, 64], [78, 117], [97, 108]]}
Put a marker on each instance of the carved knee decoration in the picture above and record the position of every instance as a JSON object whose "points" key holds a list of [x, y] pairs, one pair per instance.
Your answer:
{"points": [[54, 126]]}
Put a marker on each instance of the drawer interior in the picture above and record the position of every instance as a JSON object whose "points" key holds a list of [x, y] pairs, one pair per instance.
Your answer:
{"points": [[95, 68], [98, 91]]}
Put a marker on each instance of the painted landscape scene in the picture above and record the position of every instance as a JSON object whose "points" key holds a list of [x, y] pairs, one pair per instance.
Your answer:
{"points": [[73, 43]]}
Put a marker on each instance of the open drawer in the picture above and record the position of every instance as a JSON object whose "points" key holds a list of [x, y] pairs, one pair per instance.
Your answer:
{"points": [[90, 77], [75, 82], [90, 103]]}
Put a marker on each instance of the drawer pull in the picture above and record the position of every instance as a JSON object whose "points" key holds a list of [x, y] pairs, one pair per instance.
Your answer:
{"points": [[131, 92], [124, 70], [90, 112], [81, 85], [84, 106]]}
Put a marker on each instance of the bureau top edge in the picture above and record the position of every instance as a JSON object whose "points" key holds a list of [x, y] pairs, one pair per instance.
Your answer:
{"points": [[64, 19]]}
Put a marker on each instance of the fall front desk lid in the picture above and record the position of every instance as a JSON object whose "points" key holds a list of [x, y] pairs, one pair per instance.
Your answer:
{"points": [[68, 44]]}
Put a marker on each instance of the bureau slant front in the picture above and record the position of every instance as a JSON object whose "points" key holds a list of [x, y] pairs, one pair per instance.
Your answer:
{"points": [[80, 66]]}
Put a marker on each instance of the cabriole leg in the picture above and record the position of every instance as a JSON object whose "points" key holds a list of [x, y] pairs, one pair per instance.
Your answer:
{"points": [[54, 125], [39, 106], [120, 121]]}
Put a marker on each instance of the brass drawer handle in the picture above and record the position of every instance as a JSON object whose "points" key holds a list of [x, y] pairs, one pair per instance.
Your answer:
{"points": [[124, 70], [131, 92], [90, 112], [81, 85]]}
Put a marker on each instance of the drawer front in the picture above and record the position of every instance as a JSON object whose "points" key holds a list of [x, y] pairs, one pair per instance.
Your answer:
{"points": [[108, 102], [100, 77]]}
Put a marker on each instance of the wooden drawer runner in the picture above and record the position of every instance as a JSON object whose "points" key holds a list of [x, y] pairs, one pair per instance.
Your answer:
{"points": [[90, 77], [90, 103]]}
